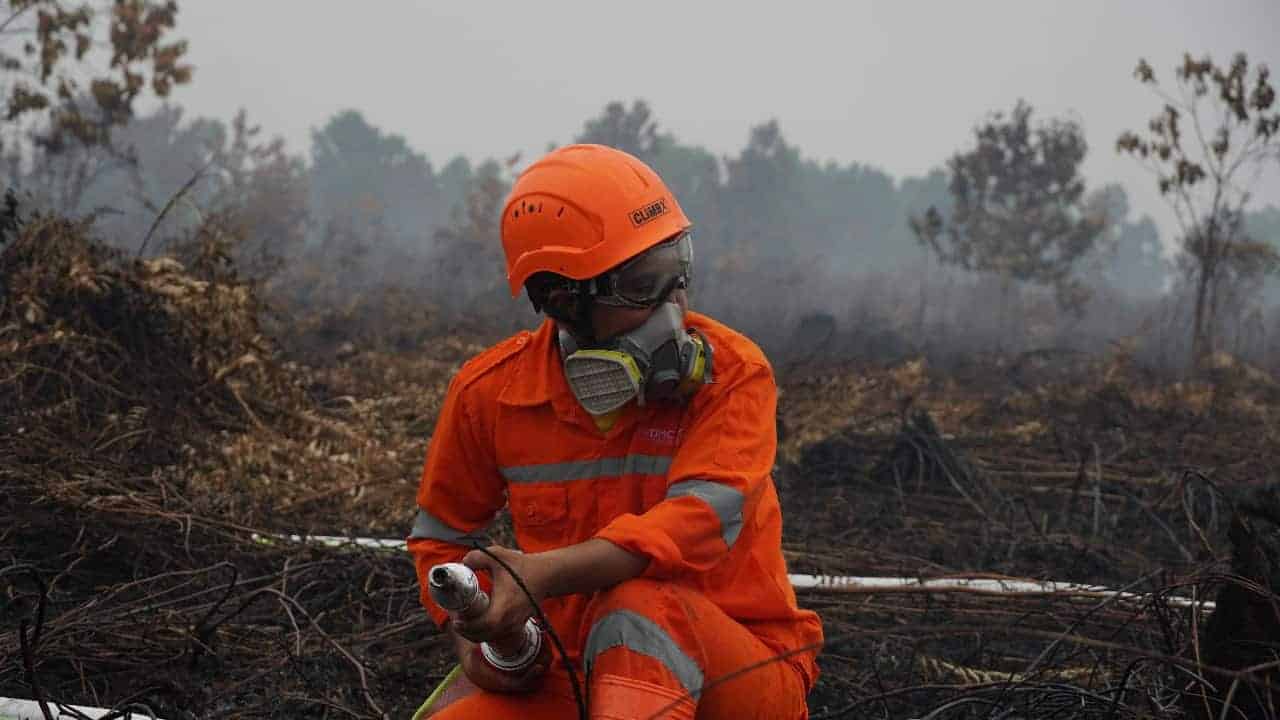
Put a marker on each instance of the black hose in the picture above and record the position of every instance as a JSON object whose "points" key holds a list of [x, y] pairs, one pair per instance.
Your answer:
{"points": [[574, 680]]}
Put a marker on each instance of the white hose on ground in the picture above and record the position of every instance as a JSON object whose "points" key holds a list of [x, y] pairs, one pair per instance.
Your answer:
{"points": [[16, 709], [867, 585]]}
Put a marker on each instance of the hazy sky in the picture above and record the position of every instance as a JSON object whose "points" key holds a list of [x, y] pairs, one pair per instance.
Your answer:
{"points": [[894, 84]]}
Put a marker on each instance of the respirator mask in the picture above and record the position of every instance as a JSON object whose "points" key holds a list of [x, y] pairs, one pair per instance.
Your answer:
{"points": [[661, 359]]}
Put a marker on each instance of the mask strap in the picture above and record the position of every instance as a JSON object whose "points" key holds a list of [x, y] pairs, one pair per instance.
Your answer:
{"points": [[700, 370], [564, 339]]}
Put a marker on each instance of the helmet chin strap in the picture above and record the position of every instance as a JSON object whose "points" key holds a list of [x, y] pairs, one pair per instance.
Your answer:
{"points": [[572, 338], [568, 341], [572, 316]]}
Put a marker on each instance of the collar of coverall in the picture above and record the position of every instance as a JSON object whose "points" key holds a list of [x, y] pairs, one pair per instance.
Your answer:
{"points": [[539, 374]]}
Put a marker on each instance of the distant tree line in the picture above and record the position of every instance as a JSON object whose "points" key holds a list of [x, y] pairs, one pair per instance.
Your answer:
{"points": [[780, 236], [767, 202]]}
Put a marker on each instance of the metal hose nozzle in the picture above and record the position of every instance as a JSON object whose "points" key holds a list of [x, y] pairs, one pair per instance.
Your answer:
{"points": [[456, 588]]}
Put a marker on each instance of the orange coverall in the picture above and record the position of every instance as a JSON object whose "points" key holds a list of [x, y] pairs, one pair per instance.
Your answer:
{"points": [[686, 485]]}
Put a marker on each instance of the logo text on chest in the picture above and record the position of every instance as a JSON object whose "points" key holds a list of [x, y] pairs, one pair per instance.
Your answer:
{"points": [[662, 436]]}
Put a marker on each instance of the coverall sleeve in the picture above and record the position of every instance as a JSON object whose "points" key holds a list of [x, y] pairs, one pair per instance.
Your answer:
{"points": [[459, 494], [715, 482]]}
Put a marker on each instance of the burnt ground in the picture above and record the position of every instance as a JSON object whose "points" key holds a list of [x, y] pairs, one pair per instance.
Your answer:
{"points": [[157, 424]]}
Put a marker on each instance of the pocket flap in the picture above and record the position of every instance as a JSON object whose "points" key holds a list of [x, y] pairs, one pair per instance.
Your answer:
{"points": [[536, 506]]}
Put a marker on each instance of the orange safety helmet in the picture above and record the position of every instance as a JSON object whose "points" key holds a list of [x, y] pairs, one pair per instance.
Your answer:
{"points": [[583, 209]]}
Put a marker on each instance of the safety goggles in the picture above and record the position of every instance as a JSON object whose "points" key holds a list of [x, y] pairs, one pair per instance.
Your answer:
{"points": [[647, 279]]}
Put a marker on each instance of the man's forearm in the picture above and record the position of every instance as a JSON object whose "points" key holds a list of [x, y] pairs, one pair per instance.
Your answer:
{"points": [[587, 567]]}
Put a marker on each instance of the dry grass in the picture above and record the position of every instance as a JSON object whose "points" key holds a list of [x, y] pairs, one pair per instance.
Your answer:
{"points": [[155, 426]]}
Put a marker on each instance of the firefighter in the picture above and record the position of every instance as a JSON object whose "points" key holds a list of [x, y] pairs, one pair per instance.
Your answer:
{"points": [[633, 441]]}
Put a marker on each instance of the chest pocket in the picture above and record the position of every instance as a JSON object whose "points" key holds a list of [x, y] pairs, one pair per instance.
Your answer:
{"points": [[540, 514]]}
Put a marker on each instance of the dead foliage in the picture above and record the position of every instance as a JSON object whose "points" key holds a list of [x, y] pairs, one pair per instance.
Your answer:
{"points": [[1094, 471], [155, 428], [147, 423]]}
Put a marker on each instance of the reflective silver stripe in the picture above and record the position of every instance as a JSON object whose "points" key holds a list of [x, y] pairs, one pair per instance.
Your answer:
{"points": [[624, 628], [588, 469], [724, 500], [429, 527]]}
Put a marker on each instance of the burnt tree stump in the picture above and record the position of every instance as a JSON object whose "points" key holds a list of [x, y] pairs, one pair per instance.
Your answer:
{"points": [[1244, 630]]}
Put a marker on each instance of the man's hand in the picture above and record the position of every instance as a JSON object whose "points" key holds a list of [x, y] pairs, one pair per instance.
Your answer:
{"points": [[582, 568], [509, 607], [486, 677]]}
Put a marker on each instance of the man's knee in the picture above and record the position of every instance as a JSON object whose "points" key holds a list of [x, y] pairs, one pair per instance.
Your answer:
{"points": [[639, 629]]}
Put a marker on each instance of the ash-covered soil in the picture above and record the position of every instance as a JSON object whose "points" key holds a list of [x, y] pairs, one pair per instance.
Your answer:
{"points": [[153, 424]]}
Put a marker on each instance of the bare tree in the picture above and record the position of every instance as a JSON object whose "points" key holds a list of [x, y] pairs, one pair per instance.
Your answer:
{"points": [[1207, 147]]}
